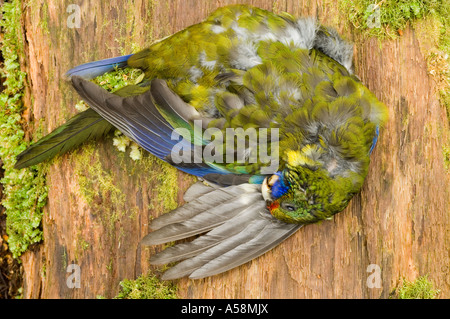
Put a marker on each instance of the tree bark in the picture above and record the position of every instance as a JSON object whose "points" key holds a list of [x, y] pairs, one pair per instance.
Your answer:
{"points": [[100, 201]]}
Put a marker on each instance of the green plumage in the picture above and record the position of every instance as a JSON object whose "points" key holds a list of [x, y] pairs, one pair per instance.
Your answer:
{"points": [[248, 68], [250, 75]]}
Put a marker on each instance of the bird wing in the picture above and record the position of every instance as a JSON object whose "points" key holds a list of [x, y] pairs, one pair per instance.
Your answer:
{"points": [[139, 118], [239, 228]]}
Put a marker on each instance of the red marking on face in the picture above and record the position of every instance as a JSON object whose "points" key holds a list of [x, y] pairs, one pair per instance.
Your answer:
{"points": [[272, 206]]}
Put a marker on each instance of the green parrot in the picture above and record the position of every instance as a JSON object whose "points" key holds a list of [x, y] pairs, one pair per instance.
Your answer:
{"points": [[263, 107]]}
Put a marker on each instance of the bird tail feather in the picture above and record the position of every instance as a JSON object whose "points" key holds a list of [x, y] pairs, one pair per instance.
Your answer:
{"points": [[82, 127]]}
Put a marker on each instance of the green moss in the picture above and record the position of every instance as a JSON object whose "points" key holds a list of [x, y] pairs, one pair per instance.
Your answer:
{"points": [[64, 259], [421, 288], [43, 23], [430, 20], [98, 186], [394, 14], [127, 35], [166, 181], [44, 271], [109, 267], [168, 186], [146, 287], [24, 191], [81, 246], [119, 78], [445, 100], [446, 155]]}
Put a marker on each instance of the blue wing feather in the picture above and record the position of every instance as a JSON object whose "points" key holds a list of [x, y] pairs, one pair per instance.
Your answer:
{"points": [[375, 139], [138, 118], [91, 70]]}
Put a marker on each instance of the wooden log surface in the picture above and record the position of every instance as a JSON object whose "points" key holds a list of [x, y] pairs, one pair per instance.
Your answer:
{"points": [[100, 201]]}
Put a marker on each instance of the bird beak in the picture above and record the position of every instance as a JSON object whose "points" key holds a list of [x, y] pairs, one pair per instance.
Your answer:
{"points": [[266, 188]]}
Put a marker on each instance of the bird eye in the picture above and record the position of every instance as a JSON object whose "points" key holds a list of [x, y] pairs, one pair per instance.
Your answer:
{"points": [[288, 207]]}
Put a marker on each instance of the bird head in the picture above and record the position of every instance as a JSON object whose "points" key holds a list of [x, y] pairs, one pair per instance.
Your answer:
{"points": [[288, 200], [305, 194]]}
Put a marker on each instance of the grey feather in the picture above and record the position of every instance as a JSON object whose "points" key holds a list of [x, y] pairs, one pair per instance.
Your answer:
{"points": [[307, 28], [202, 204], [137, 117], [273, 233], [185, 250], [227, 179], [329, 42], [197, 190], [239, 227], [202, 214], [189, 266], [172, 103]]}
